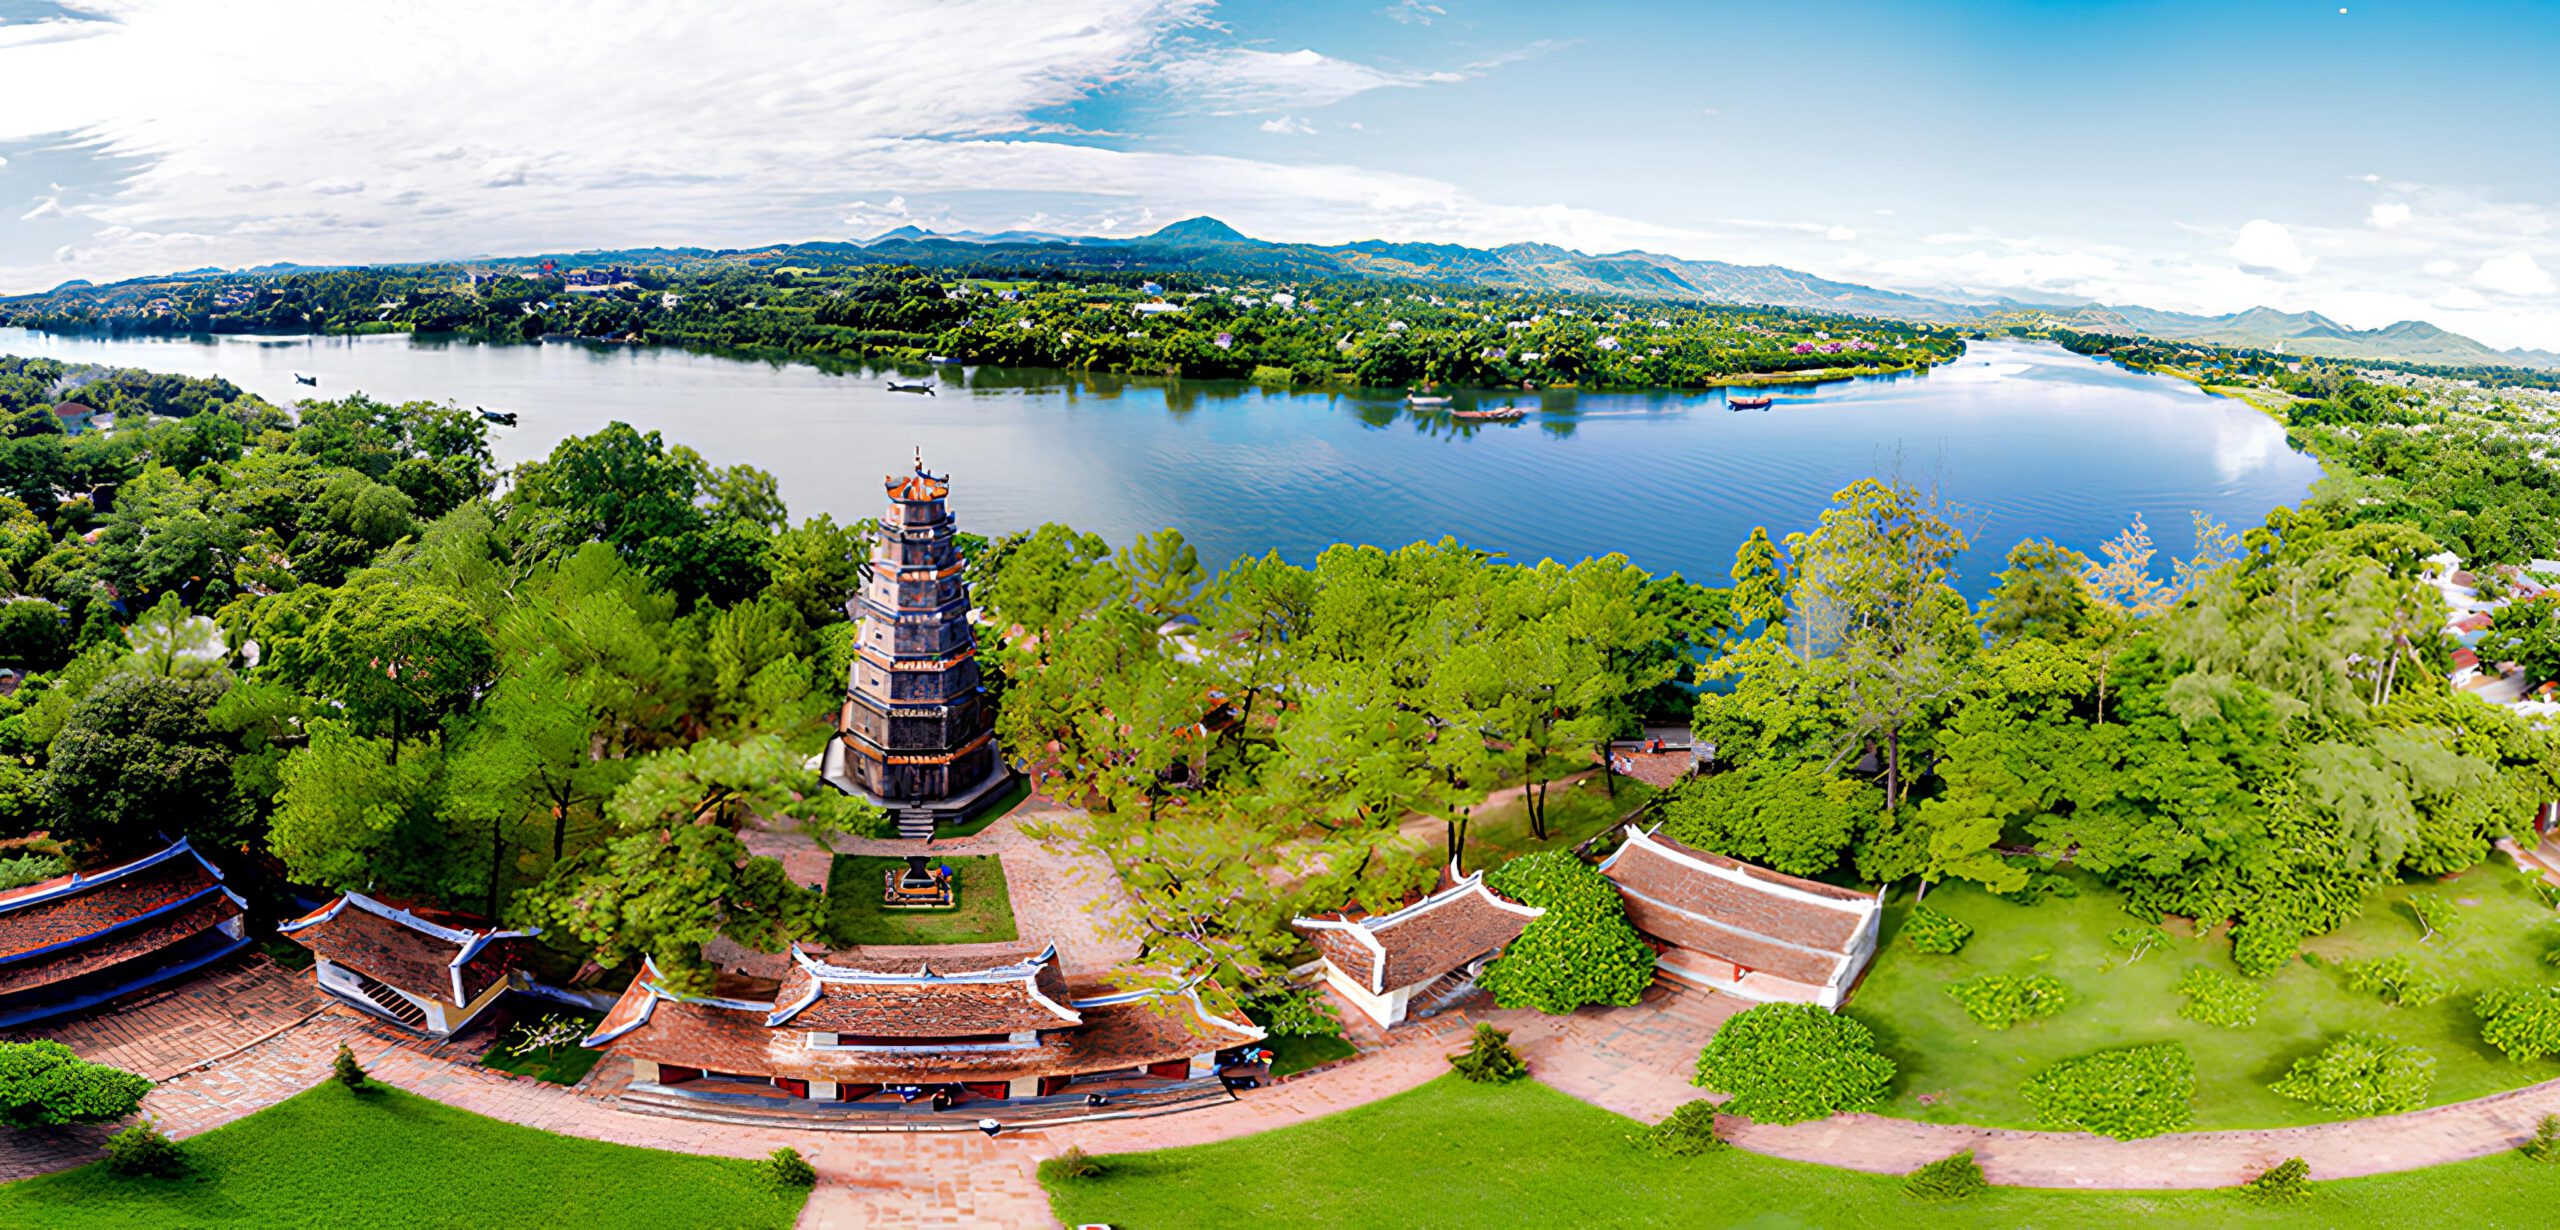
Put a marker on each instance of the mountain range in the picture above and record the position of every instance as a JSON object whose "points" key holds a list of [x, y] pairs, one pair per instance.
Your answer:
{"points": [[1208, 244]]}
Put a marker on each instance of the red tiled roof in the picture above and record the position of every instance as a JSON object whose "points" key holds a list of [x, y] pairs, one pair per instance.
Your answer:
{"points": [[912, 993], [2465, 658], [193, 918], [725, 1035], [1421, 941], [45, 918], [1763, 920], [452, 964]]}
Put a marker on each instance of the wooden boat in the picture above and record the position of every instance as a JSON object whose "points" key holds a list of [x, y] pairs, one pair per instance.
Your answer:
{"points": [[503, 418], [1761, 402], [1497, 415], [313, 381], [912, 386]]}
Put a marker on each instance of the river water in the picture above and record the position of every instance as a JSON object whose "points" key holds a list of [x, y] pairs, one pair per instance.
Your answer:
{"points": [[2027, 439]]}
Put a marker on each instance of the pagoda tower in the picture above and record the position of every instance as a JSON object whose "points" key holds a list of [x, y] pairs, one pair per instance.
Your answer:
{"points": [[917, 736]]}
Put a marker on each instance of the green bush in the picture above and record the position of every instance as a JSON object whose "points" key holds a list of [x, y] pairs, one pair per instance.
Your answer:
{"points": [[2283, 1183], [1798, 819], [2436, 915], [2262, 948], [144, 1149], [2362, 1074], [1686, 1132], [2002, 1000], [2039, 884], [2524, 1022], [1489, 1058], [2217, 998], [2545, 1145], [345, 1068], [2128, 1093], [45, 1083], [2397, 980], [787, 1168], [1952, 1177], [1582, 951], [1935, 933], [1786, 1063], [27, 869], [1074, 1163]]}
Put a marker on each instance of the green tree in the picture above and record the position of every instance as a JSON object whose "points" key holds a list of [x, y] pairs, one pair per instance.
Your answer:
{"points": [[1581, 951], [33, 634], [138, 757], [1163, 573], [43, 1084], [1797, 818]]}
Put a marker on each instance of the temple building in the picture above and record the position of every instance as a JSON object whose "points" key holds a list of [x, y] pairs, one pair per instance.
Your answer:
{"points": [[74, 942], [1729, 926], [917, 736], [890, 1024], [1381, 963], [429, 977]]}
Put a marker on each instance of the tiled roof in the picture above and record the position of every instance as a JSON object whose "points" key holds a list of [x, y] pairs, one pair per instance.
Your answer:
{"points": [[1763, 920], [1421, 941], [913, 993], [394, 946], [1115, 1031], [192, 916], [52, 917]]}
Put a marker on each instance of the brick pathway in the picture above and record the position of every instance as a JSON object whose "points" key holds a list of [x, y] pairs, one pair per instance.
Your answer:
{"points": [[170, 1031]]}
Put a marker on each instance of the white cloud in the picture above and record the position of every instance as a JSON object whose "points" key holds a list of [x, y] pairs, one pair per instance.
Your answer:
{"points": [[2265, 246], [2388, 214], [1234, 80], [50, 207], [1413, 12], [1289, 124], [1839, 234], [2512, 273], [2440, 267]]}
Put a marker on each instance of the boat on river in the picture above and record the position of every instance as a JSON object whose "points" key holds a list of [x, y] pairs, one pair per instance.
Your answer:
{"points": [[502, 418], [1426, 401], [313, 381], [912, 386], [940, 358], [1499, 414], [1760, 402]]}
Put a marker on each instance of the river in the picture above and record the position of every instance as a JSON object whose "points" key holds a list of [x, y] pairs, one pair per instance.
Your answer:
{"points": [[2027, 439]]}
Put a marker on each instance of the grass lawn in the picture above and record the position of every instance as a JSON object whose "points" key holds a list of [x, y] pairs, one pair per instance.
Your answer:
{"points": [[1575, 812], [1972, 1074], [855, 915], [1451, 1155], [332, 1158], [561, 1063]]}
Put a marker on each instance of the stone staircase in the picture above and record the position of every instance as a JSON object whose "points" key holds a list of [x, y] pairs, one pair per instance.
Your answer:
{"points": [[1447, 991], [915, 824], [392, 1003]]}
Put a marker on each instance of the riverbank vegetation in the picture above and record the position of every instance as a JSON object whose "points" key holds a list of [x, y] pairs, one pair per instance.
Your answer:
{"points": [[1312, 331], [325, 649]]}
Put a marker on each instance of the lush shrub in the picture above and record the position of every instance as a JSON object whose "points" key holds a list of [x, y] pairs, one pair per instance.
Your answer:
{"points": [[345, 1068], [28, 869], [787, 1168], [1952, 1177], [2524, 1022], [2262, 948], [2283, 1183], [43, 1083], [2002, 1000], [2136, 942], [2545, 1145], [1929, 931], [2128, 1093], [2362, 1074], [2396, 979], [1798, 819], [2217, 998], [1686, 1132], [1489, 1058], [2039, 884], [1074, 1163], [144, 1149], [1786, 1063], [1581, 951]]}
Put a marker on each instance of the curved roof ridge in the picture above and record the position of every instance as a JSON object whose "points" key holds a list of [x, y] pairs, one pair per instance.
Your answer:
{"points": [[78, 883]]}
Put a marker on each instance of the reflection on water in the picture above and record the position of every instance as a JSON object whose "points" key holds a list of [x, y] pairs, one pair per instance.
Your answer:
{"points": [[2033, 441]]}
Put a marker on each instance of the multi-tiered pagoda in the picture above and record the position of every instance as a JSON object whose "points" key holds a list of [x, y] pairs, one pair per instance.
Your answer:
{"points": [[917, 736]]}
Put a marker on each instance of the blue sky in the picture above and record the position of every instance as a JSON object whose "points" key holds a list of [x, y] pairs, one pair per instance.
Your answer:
{"points": [[2393, 161]]}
